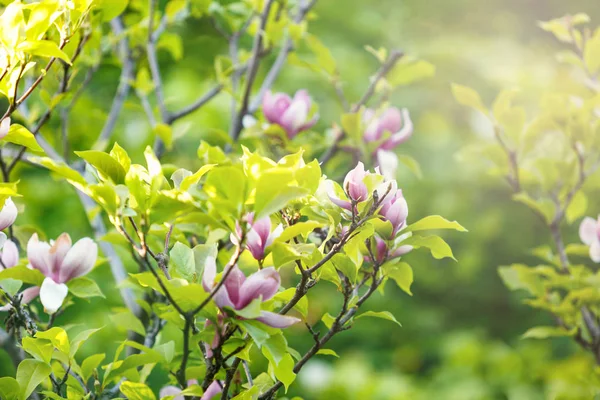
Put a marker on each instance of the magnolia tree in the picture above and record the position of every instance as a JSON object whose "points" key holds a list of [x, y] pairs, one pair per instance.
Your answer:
{"points": [[226, 255], [550, 162]]}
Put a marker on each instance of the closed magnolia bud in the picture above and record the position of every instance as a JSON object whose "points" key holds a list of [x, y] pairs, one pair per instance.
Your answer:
{"points": [[354, 183], [8, 214], [395, 210], [393, 121], [293, 115]]}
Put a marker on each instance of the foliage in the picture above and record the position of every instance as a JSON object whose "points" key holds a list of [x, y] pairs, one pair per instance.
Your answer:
{"points": [[187, 231]]}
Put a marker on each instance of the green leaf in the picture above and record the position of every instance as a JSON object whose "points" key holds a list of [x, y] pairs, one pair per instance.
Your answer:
{"points": [[284, 370], [40, 349], [401, 273], [112, 8], [24, 274], [43, 48], [577, 207], [9, 388], [352, 125], [90, 364], [121, 156], [544, 207], [328, 320], [468, 97], [80, 339], [251, 311], [105, 164], [136, 391], [84, 287], [380, 314], [193, 179], [434, 222], [126, 320], [437, 246], [591, 53], [20, 135], [30, 374], [411, 164], [165, 133], [543, 332], [181, 258], [328, 352], [275, 348], [58, 337], [299, 228], [405, 73], [274, 192], [325, 59]]}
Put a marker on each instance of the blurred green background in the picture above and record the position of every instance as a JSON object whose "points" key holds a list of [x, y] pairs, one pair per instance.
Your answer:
{"points": [[461, 329]]}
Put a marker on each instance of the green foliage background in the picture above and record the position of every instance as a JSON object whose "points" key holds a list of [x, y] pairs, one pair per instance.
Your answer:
{"points": [[461, 333]]}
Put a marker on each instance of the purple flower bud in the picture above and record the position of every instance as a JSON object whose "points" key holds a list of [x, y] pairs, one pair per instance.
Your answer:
{"points": [[589, 232], [260, 237], [395, 210], [8, 214], [4, 127], [354, 183], [291, 114], [382, 252], [394, 121]]}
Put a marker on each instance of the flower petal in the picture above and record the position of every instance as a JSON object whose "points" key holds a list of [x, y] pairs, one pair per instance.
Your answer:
{"points": [[38, 254], [234, 281], [212, 390], [80, 260], [8, 214], [52, 295], [4, 127], [388, 162], [171, 391], [10, 254], [263, 283], [587, 230], [58, 251], [209, 274], [276, 320], [29, 294], [595, 251]]}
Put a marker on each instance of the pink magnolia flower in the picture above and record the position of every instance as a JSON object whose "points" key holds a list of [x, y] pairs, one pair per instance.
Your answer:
{"points": [[293, 115], [60, 262], [396, 122], [4, 127], [354, 186], [260, 236], [589, 232], [10, 258], [238, 291], [8, 214], [395, 210]]}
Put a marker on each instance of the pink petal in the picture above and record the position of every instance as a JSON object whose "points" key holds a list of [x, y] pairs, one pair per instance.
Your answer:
{"points": [[274, 105], [170, 391], [587, 231], [79, 260], [294, 117], [8, 214], [30, 293], [10, 254], [234, 281], [212, 390], [58, 251], [209, 274], [264, 283], [276, 320], [400, 136], [38, 254], [4, 127]]}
